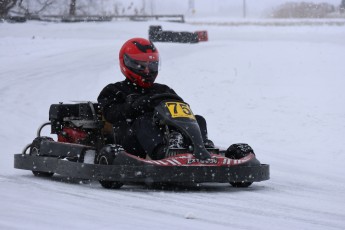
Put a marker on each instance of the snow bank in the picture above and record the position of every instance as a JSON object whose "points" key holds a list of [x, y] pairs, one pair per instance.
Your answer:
{"points": [[279, 89]]}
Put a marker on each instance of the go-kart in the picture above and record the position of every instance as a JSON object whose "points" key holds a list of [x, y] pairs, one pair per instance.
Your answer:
{"points": [[86, 148]]}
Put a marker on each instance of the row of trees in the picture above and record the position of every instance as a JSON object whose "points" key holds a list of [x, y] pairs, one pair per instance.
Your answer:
{"points": [[29, 8], [33, 8], [304, 10]]}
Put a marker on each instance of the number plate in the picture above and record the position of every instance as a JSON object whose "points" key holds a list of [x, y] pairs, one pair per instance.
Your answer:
{"points": [[179, 109]]}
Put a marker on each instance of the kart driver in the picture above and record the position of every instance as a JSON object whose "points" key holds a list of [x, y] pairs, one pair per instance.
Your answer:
{"points": [[127, 105]]}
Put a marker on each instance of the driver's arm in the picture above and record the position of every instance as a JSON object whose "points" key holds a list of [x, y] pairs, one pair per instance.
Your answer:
{"points": [[113, 104]]}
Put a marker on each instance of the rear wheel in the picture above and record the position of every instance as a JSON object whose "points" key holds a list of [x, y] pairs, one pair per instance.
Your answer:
{"points": [[107, 156], [43, 174], [241, 184], [35, 151]]}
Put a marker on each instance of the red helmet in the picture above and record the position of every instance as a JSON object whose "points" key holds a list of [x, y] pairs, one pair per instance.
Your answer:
{"points": [[139, 60]]}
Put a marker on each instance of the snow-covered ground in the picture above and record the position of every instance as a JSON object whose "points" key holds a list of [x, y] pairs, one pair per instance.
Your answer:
{"points": [[280, 89]]}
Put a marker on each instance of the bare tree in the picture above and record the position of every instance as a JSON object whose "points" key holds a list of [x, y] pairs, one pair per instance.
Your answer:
{"points": [[72, 7], [342, 6], [32, 10], [5, 6]]}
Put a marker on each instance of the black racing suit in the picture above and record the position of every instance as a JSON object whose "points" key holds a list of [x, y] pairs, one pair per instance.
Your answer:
{"points": [[134, 128]]}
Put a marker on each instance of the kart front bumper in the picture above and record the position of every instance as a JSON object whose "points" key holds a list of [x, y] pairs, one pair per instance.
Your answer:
{"points": [[143, 173]]}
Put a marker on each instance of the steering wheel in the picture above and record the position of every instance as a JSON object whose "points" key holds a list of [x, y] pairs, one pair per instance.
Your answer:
{"points": [[163, 96]]}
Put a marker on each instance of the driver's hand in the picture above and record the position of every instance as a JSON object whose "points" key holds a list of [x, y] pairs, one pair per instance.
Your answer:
{"points": [[142, 103], [130, 99]]}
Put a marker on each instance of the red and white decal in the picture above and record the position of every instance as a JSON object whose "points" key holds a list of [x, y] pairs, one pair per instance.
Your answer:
{"points": [[189, 160]]}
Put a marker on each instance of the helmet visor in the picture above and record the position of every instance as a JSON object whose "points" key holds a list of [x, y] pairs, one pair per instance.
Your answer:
{"points": [[140, 66]]}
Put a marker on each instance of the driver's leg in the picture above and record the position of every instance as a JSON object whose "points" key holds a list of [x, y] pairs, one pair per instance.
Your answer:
{"points": [[203, 126], [131, 144], [148, 134], [203, 129]]}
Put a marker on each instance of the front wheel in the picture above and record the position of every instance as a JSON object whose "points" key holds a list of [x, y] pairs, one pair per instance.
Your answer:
{"points": [[107, 156], [238, 151]]}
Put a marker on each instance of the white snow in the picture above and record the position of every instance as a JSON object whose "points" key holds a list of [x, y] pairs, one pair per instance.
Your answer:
{"points": [[280, 89]]}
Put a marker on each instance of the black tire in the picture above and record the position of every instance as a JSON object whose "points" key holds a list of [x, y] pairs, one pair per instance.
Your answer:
{"points": [[35, 151], [241, 184], [43, 174], [238, 151], [107, 156]]}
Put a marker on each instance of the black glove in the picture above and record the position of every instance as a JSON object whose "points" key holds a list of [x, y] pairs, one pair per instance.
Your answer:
{"points": [[130, 99], [138, 103], [142, 104]]}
